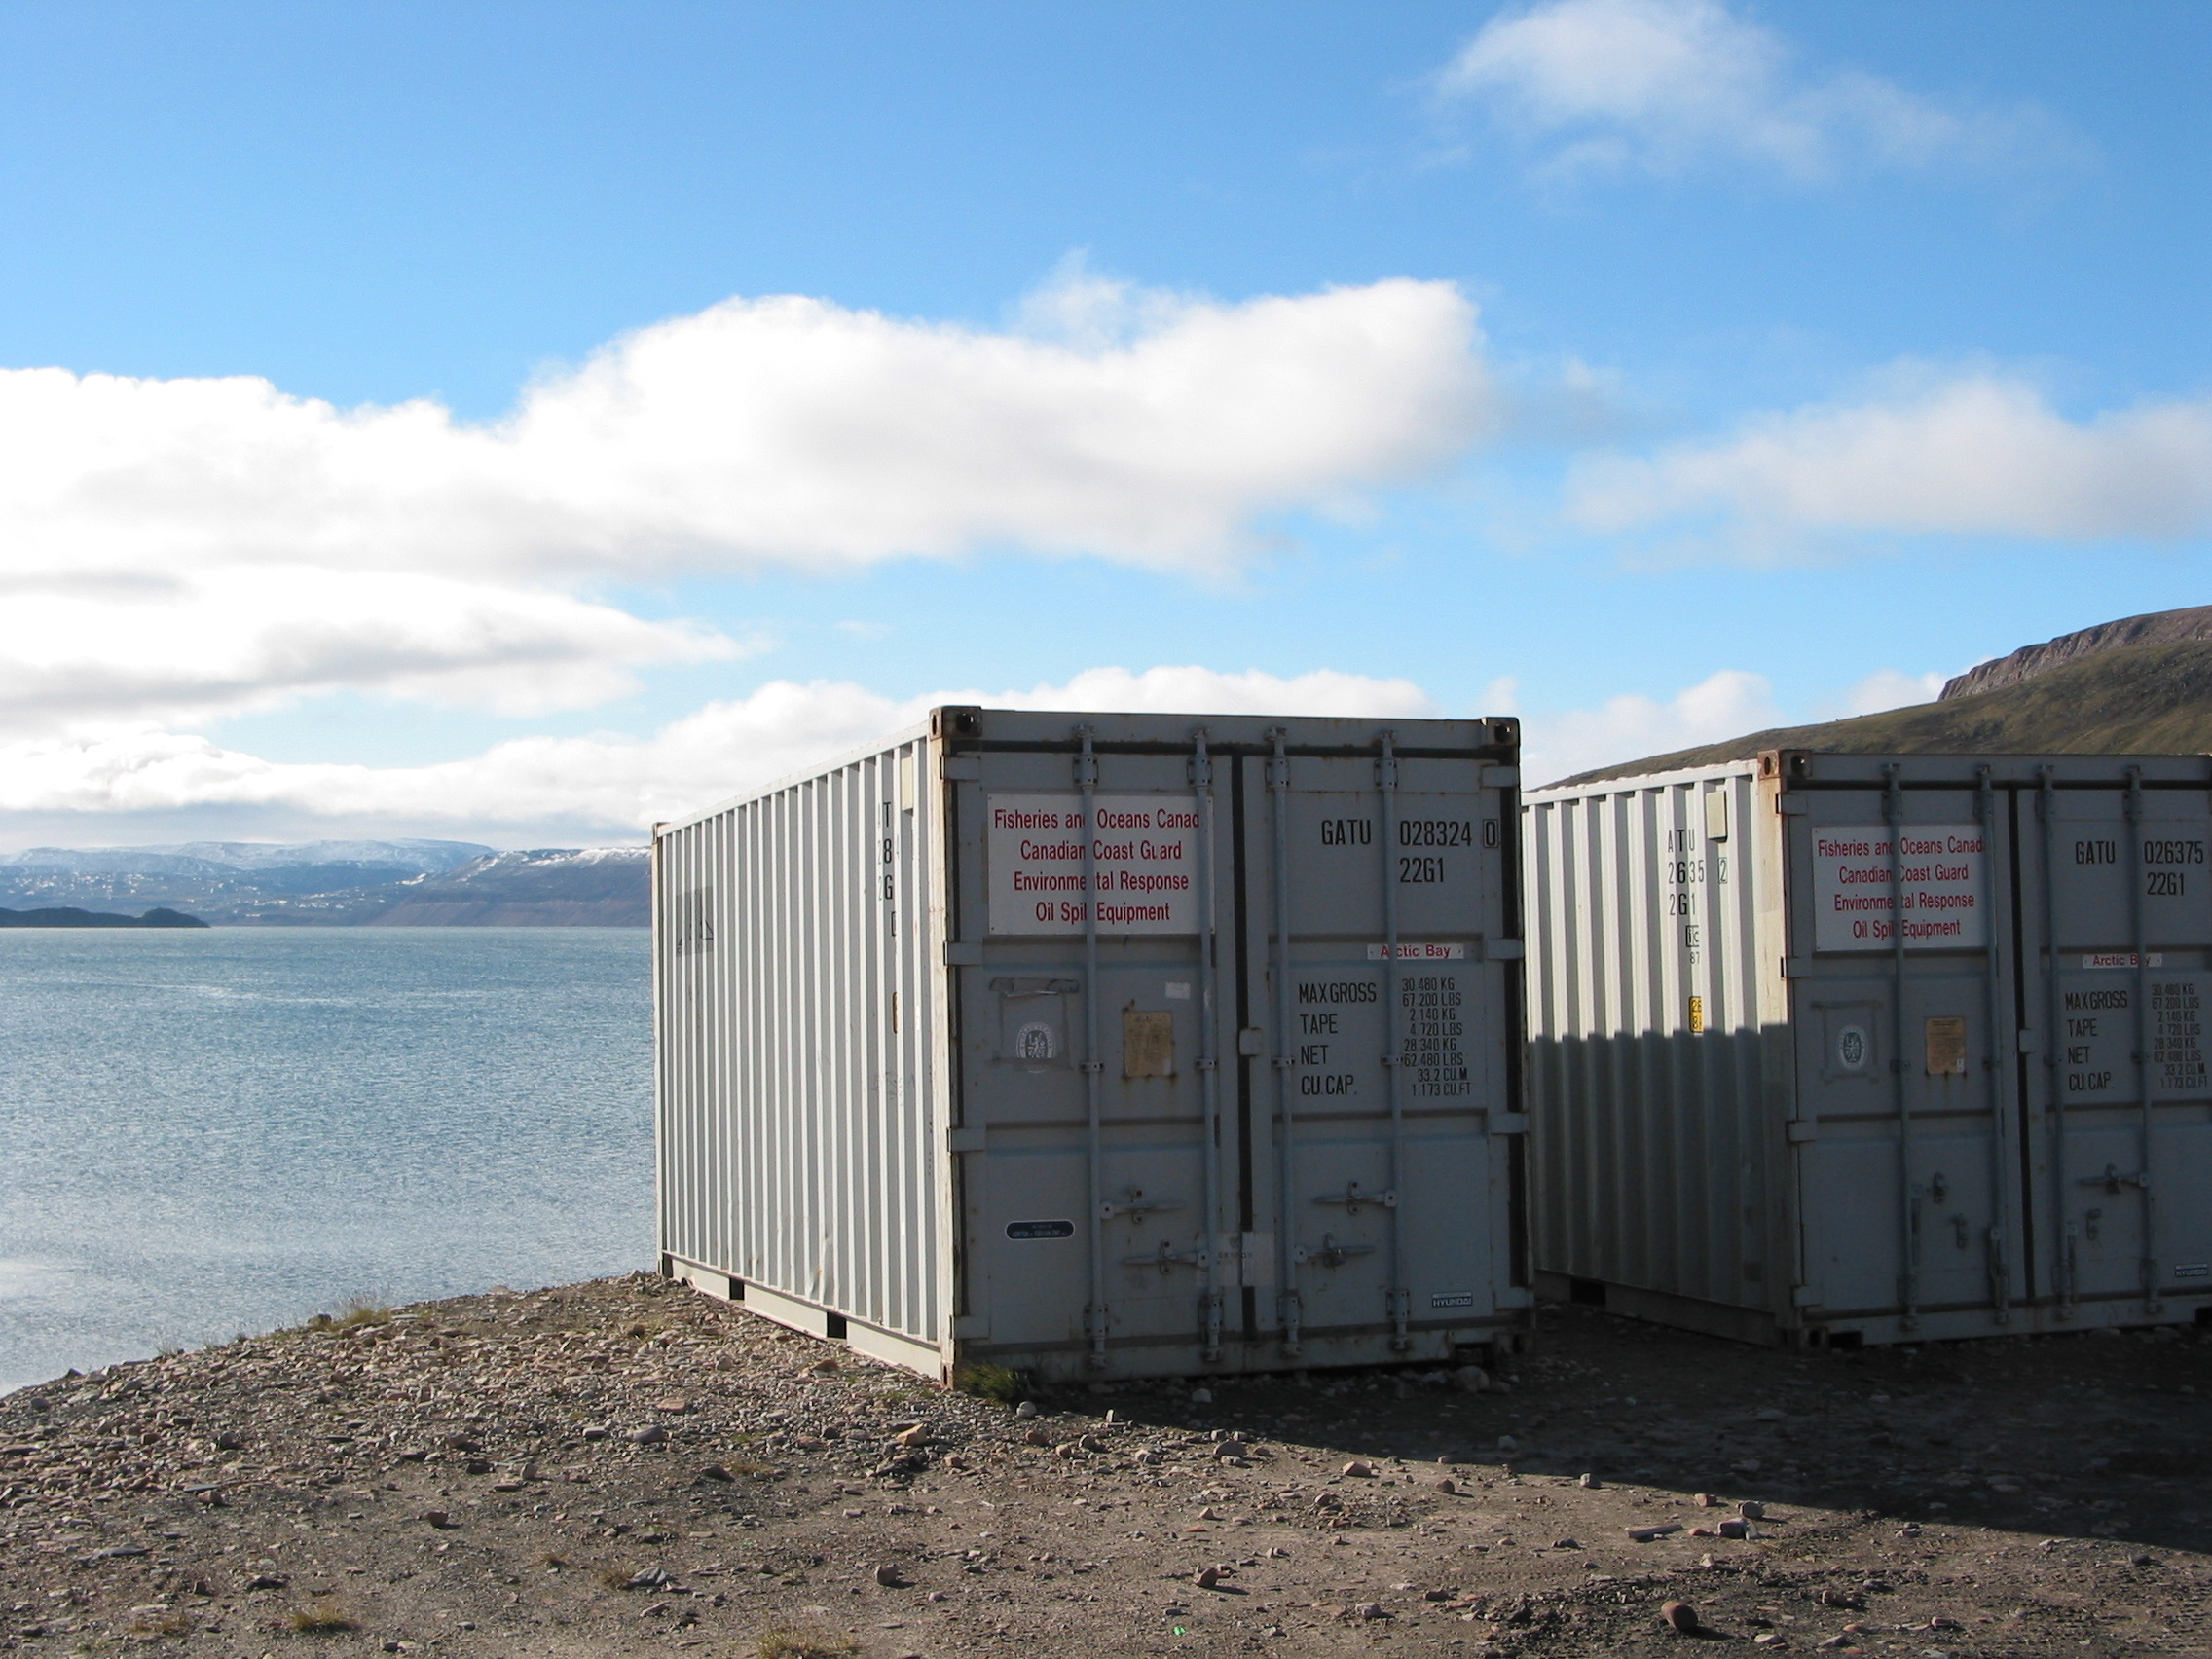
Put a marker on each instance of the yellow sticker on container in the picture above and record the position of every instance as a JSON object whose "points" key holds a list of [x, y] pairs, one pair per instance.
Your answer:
{"points": [[1697, 1015], [1947, 1046]]}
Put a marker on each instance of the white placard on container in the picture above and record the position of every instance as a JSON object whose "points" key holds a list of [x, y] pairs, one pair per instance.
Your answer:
{"points": [[1144, 860], [1943, 885]]}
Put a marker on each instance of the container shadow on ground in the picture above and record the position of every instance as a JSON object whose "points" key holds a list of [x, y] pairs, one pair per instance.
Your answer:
{"points": [[2099, 1435]]}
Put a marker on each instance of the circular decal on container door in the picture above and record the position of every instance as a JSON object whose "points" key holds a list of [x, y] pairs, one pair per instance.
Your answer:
{"points": [[1034, 1043], [1851, 1047]]}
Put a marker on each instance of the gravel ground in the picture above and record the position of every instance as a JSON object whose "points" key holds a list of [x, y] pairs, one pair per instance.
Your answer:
{"points": [[629, 1467]]}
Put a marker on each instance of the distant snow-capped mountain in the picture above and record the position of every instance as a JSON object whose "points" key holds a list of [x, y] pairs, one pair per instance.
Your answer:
{"points": [[398, 883]]}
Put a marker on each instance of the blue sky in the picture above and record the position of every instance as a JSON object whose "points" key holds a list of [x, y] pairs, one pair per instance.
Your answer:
{"points": [[1657, 368]]}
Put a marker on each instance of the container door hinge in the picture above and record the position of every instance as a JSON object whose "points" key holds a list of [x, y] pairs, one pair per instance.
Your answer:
{"points": [[963, 953], [1791, 806], [1801, 1129], [1509, 1122], [960, 768]]}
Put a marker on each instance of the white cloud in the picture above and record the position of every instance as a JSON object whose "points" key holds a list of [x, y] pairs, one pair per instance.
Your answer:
{"points": [[782, 431], [1975, 455], [1884, 689], [178, 550], [1501, 696], [1206, 691], [604, 785], [1727, 704], [221, 641], [1662, 85]]}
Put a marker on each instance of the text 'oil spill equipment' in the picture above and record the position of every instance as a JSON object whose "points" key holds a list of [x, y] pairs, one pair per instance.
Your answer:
{"points": [[1257, 1107], [1885, 1048]]}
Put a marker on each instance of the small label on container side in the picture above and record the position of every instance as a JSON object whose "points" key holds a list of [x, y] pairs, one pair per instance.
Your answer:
{"points": [[1419, 952], [1946, 1046], [1026, 1229]]}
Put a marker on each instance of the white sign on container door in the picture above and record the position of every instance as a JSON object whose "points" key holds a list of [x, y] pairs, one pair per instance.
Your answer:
{"points": [[1942, 895], [1144, 859]]}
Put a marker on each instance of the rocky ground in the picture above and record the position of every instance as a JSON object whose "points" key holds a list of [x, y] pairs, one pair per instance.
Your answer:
{"points": [[629, 1467]]}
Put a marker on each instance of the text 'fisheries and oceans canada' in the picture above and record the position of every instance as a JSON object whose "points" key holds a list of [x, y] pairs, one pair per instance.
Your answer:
{"points": [[1142, 853], [1934, 887]]}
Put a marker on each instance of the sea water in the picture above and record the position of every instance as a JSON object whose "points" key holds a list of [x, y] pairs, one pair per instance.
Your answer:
{"points": [[206, 1132]]}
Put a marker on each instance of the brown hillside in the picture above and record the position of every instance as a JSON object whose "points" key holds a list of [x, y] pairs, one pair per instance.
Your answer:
{"points": [[2134, 700], [2156, 628]]}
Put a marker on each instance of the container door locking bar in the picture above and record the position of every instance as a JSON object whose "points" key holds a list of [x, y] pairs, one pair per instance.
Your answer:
{"points": [[1136, 1207], [1994, 1065], [2064, 1234], [1286, 1161], [1908, 1194], [1351, 1197], [1331, 1254], [1398, 1297], [1094, 1314], [1167, 1257], [2147, 1268], [1210, 1061]]}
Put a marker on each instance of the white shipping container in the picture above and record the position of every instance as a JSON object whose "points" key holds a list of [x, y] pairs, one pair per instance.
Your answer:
{"points": [[1104, 1046], [1875, 1049]]}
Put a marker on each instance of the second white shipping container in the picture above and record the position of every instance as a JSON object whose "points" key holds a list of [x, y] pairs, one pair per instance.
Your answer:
{"points": [[1865, 1048]]}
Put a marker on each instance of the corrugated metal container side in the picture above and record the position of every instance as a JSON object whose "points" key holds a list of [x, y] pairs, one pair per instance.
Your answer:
{"points": [[1761, 1109], [1105, 1046], [800, 1029]]}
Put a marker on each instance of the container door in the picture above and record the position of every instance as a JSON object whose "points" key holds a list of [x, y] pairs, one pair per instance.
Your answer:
{"points": [[1907, 1166], [2118, 894], [1384, 1151], [1099, 1241]]}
